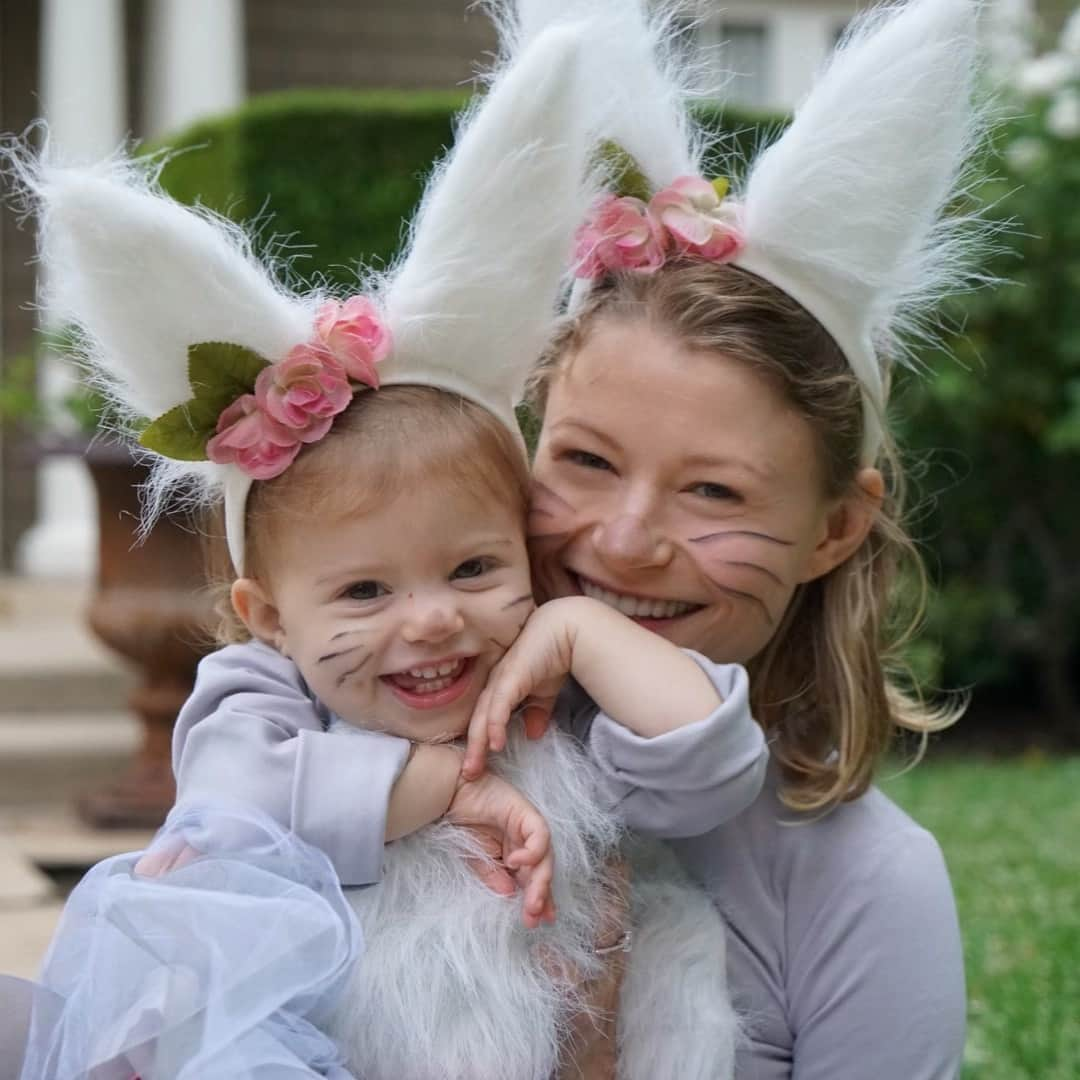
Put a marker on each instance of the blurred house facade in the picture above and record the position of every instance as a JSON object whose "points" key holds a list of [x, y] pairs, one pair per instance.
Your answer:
{"points": [[100, 70]]}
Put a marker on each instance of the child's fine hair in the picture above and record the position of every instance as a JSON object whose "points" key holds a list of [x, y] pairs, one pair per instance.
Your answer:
{"points": [[828, 687], [386, 441]]}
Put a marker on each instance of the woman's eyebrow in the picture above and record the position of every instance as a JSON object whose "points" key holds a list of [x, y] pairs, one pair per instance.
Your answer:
{"points": [[711, 461], [588, 429]]}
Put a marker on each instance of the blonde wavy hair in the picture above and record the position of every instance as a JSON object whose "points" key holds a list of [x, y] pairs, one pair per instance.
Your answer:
{"points": [[830, 688]]}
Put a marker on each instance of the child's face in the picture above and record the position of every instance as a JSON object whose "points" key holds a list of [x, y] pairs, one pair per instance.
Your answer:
{"points": [[396, 617]]}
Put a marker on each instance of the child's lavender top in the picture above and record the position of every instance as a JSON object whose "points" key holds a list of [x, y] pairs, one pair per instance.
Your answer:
{"points": [[251, 731]]}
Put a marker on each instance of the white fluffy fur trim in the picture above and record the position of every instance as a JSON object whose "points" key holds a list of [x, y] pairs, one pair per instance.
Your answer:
{"points": [[453, 987]]}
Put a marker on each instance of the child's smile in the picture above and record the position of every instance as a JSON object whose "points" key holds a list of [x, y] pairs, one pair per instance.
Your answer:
{"points": [[433, 685], [395, 616]]}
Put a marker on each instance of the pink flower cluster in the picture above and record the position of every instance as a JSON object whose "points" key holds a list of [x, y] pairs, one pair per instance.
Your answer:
{"points": [[624, 233], [296, 399]]}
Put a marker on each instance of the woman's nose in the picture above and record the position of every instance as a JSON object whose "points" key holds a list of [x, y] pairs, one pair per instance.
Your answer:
{"points": [[431, 619], [631, 541]]}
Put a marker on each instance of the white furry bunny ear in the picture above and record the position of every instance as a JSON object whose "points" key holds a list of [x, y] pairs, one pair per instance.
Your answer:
{"points": [[156, 291], [848, 211], [475, 298], [211, 363], [144, 278]]}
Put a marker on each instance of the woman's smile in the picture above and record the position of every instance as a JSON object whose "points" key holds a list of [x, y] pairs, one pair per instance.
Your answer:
{"points": [[644, 609]]}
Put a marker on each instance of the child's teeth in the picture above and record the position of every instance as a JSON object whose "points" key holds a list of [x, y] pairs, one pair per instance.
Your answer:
{"points": [[440, 671]]}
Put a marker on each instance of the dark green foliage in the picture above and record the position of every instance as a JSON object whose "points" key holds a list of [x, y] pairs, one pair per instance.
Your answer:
{"points": [[998, 426], [334, 175]]}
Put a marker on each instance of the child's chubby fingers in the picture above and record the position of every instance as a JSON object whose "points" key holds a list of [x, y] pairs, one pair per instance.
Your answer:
{"points": [[163, 858], [537, 904], [504, 693], [476, 739]]}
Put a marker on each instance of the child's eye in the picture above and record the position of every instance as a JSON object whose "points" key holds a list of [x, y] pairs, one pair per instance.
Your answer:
{"points": [[587, 460], [714, 491], [473, 568], [366, 590]]}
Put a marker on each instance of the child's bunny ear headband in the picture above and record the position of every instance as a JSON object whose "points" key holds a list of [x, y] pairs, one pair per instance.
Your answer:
{"points": [[847, 212], [183, 327]]}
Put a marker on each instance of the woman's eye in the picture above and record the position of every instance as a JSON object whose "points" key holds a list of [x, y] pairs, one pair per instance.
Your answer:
{"points": [[366, 590], [714, 491], [587, 460], [472, 568]]}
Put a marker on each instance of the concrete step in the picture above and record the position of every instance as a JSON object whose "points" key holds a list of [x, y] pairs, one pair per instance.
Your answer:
{"points": [[52, 837], [50, 757], [49, 660]]}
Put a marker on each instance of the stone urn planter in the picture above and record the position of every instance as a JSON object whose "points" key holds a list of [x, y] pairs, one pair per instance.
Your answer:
{"points": [[151, 606]]}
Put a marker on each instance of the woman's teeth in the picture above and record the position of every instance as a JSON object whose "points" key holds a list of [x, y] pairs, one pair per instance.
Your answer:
{"points": [[636, 606]]}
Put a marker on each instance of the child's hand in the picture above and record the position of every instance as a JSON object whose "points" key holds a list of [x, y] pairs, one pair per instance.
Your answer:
{"points": [[494, 807], [165, 857], [530, 675]]}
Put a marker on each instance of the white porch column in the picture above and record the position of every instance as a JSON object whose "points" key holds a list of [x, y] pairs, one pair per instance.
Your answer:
{"points": [[83, 95], [195, 61]]}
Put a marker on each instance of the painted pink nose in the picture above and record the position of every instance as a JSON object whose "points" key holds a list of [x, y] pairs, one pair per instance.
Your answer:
{"points": [[629, 541]]}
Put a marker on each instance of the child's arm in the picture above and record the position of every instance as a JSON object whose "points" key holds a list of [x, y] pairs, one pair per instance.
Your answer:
{"points": [[631, 673], [512, 831], [250, 732], [674, 739]]}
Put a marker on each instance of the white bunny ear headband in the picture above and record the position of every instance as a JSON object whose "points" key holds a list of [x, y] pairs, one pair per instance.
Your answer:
{"points": [[183, 327], [847, 212]]}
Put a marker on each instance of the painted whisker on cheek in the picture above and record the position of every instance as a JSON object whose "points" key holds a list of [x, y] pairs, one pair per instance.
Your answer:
{"points": [[741, 532], [757, 566], [527, 598], [740, 594], [353, 670], [340, 652], [346, 633], [541, 493], [506, 647]]}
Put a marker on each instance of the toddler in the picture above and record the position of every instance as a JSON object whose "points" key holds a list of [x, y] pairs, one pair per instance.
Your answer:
{"points": [[374, 492]]}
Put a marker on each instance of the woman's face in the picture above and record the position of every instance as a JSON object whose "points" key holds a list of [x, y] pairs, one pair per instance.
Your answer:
{"points": [[680, 488]]}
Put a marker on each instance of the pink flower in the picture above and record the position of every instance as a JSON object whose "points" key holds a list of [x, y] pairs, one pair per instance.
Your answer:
{"points": [[304, 392], [357, 336], [619, 234], [255, 442], [695, 216]]}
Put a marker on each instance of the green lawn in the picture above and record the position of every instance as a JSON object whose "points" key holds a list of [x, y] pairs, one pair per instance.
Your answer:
{"points": [[1011, 834]]}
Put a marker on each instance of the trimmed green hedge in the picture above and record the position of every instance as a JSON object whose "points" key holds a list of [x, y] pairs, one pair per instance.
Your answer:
{"points": [[336, 173]]}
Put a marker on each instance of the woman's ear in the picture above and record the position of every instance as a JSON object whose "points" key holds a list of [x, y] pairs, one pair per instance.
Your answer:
{"points": [[847, 524], [256, 609]]}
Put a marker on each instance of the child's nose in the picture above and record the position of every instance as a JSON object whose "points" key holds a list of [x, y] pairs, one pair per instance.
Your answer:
{"points": [[432, 619]]}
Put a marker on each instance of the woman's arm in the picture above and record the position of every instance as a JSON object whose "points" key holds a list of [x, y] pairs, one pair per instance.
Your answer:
{"points": [[876, 978]]}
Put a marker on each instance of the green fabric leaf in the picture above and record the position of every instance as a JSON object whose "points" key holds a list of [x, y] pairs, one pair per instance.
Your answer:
{"points": [[183, 432], [220, 372], [625, 171]]}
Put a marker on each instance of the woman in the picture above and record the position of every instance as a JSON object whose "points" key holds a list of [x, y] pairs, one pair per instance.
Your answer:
{"points": [[714, 460]]}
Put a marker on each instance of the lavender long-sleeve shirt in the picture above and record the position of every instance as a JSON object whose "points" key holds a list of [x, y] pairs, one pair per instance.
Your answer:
{"points": [[844, 951], [252, 731], [843, 946]]}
